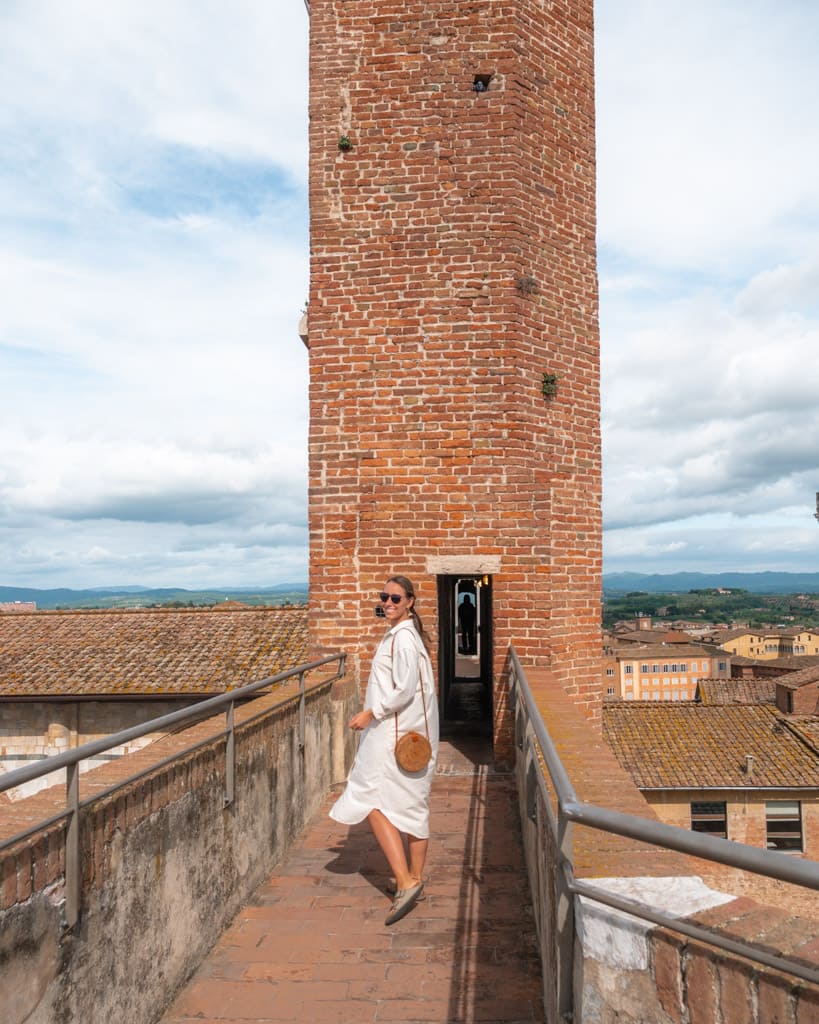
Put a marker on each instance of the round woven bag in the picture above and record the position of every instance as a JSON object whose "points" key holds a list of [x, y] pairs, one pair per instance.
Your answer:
{"points": [[412, 752]]}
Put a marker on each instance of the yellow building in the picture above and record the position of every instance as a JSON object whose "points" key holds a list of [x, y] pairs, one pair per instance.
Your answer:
{"points": [[763, 645], [663, 672]]}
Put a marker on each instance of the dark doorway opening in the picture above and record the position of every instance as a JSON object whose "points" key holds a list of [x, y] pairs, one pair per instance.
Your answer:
{"points": [[465, 654]]}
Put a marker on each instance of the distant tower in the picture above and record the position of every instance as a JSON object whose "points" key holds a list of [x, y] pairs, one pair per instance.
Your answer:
{"points": [[453, 336]]}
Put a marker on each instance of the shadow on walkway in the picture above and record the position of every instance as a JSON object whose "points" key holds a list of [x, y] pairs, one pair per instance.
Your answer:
{"points": [[312, 944]]}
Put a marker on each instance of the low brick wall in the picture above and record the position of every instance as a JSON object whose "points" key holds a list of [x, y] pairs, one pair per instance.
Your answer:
{"points": [[633, 972], [166, 865]]}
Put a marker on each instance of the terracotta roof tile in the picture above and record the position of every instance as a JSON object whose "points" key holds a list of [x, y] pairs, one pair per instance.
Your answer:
{"points": [[692, 746], [802, 677], [670, 652], [737, 691], [168, 651]]}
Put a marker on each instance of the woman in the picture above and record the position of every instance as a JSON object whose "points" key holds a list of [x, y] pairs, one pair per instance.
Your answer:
{"points": [[395, 802]]}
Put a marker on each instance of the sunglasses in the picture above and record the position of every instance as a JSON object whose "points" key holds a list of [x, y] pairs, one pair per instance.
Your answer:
{"points": [[395, 598]]}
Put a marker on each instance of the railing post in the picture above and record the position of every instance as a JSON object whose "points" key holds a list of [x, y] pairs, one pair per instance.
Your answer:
{"points": [[230, 756], [72, 845], [302, 712], [565, 916], [531, 790]]}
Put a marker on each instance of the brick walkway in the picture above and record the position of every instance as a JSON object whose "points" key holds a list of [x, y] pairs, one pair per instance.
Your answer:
{"points": [[312, 944]]}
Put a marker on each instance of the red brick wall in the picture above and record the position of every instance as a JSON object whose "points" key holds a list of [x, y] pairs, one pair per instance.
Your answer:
{"points": [[453, 264], [798, 700]]}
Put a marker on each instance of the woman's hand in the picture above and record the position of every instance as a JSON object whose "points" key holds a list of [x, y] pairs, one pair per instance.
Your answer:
{"points": [[361, 720]]}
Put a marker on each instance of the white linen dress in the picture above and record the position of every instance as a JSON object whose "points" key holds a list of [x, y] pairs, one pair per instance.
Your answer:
{"points": [[375, 781]]}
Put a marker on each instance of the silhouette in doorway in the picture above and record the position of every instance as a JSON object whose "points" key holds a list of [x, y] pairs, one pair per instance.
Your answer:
{"points": [[466, 624]]}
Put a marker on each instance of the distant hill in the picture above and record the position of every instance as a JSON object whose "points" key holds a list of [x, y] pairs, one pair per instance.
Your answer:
{"points": [[140, 597], [682, 582]]}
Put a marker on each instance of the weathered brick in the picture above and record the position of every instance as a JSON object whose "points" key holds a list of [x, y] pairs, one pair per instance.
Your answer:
{"points": [[775, 1000], [667, 967], [807, 1005], [701, 985], [736, 983]]}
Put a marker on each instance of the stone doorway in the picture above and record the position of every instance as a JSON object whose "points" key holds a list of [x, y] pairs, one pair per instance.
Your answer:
{"points": [[465, 654]]}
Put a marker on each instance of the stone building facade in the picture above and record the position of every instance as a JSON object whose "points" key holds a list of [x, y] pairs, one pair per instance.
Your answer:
{"points": [[453, 333]]}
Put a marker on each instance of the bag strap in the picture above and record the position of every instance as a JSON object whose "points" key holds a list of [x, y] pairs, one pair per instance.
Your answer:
{"points": [[420, 684]]}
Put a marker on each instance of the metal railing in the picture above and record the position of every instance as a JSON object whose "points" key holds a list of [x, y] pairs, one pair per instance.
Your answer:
{"points": [[535, 745], [71, 759]]}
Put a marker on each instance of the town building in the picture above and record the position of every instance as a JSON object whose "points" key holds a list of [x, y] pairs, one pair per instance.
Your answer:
{"points": [[747, 771], [661, 672], [765, 645], [67, 678]]}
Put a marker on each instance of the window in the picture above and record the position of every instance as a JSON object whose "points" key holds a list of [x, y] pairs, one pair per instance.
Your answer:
{"points": [[709, 816], [610, 691], [683, 667], [665, 668], [628, 669], [644, 668], [783, 825], [723, 665], [609, 671], [675, 667], [655, 668]]}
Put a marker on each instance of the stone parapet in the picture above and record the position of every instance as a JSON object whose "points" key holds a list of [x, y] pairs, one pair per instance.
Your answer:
{"points": [[633, 971], [165, 862]]}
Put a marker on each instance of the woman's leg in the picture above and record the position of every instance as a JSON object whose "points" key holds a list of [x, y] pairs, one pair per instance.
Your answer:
{"points": [[417, 856], [392, 845]]}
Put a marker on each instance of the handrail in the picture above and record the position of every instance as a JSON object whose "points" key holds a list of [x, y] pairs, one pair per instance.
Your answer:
{"points": [[204, 709], [71, 759], [533, 740]]}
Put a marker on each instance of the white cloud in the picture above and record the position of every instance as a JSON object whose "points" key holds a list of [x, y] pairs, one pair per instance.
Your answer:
{"points": [[153, 262], [708, 211], [153, 171]]}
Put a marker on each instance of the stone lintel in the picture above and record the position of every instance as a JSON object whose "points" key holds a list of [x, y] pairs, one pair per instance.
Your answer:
{"points": [[467, 565]]}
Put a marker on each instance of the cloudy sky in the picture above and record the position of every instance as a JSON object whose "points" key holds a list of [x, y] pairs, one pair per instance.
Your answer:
{"points": [[153, 264]]}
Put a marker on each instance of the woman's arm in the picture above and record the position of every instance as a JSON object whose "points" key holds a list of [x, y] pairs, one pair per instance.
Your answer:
{"points": [[404, 678], [361, 720]]}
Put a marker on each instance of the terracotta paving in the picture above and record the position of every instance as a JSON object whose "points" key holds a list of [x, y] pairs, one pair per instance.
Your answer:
{"points": [[312, 944]]}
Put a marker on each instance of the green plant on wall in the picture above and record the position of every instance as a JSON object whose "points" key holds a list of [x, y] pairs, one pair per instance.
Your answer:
{"points": [[548, 385], [345, 143]]}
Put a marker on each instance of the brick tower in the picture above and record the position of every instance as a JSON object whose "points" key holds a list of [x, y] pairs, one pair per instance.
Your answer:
{"points": [[453, 336]]}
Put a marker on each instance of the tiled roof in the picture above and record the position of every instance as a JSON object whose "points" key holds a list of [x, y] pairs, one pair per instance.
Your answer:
{"points": [[669, 652], [804, 677], [691, 746], [156, 652], [808, 728], [737, 691], [793, 662]]}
